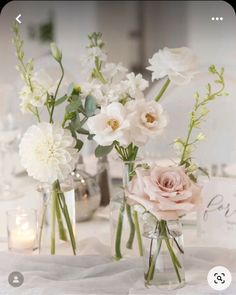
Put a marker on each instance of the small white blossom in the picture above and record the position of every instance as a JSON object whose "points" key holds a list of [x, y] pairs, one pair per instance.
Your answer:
{"points": [[135, 85], [200, 136], [47, 152], [88, 59], [179, 64], [35, 95], [114, 73]]}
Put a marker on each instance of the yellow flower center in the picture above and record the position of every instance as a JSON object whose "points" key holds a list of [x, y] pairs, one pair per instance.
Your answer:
{"points": [[150, 117], [113, 123]]}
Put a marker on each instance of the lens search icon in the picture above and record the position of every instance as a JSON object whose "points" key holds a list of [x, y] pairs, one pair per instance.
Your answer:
{"points": [[219, 278]]}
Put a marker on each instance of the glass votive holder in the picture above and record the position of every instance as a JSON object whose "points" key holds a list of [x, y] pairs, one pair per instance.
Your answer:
{"points": [[22, 230]]}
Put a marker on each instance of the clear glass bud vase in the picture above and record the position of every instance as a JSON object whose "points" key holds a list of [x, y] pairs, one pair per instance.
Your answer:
{"points": [[57, 227], [125, 222], [164, 254]]}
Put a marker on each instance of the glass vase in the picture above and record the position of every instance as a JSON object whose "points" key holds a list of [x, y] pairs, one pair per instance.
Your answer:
{"points": [[57, 227], [164, 254], [125, 222]]}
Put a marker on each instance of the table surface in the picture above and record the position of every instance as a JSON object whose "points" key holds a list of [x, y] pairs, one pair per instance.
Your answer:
{"points": [[93, 271]]}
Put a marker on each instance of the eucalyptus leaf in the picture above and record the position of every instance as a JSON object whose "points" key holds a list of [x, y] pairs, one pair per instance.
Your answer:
{"points": [[70, 89], [60, 100], [76, 122], [90, 105], [74, 105], [102, 151]]}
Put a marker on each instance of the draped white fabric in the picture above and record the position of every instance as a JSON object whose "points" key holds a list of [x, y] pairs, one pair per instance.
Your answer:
{"points": [[99, 274]]}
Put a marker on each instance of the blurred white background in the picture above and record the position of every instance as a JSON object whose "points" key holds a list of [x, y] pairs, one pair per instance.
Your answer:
{"points": [[133, 32]]}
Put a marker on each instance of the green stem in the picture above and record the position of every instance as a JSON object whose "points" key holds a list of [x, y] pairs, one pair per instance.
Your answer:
{"points": [[56, 92], [118, 254], [186, 145], [174, 259], [41, 225], [138, 233], [66, 214], [162, 91], [53, 220], [151, 270], [61, 228], [129, 244]]}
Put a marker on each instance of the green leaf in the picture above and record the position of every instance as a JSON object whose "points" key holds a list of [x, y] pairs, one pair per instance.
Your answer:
{"points": [[102, 151], [70, 89], [90, 136], [82, 131], [60, 100], [204, 171], [90, 105], [74, 105], [79, 144], [76, 122]]}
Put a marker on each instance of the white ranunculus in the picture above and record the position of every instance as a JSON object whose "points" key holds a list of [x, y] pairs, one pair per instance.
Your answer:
{"points": [[36, 94], [47, 152], [147, 120], [179, 64], [110, 124], [135, 85]]}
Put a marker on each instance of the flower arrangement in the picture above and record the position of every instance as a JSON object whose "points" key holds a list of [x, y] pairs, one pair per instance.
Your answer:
{"points": [[125, 120], [49, 150], [168, 193]]}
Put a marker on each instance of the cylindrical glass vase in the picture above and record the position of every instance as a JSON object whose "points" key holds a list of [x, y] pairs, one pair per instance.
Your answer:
{"points": [[125, 222], [164, 254], [57, 227]]}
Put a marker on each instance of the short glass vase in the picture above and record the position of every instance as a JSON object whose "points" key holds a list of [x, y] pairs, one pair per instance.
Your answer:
{"points": [[163, 254]]}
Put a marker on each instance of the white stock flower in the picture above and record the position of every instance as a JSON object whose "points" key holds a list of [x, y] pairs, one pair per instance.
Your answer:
{"points": [[114, 73], [88, 59], [179, 64], [109, 125], [94, 88], [147, 120], [135, 85], [47, 152], [36, 95]]}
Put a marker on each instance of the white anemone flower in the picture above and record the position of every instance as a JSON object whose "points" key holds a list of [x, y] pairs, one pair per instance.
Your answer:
{"points": [[179, 64], [110, 124], [147, 119], [47, 152], [135, 85]]}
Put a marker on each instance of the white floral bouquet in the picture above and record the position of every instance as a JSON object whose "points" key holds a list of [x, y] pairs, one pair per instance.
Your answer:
{"points": [[124, 119], [49, 150]]}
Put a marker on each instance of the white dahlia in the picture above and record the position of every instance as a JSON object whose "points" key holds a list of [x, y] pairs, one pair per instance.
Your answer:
{"points": [[47, 152]]}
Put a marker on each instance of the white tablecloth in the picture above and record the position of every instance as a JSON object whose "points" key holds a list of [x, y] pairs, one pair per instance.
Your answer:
{"points": [[47, 275]]}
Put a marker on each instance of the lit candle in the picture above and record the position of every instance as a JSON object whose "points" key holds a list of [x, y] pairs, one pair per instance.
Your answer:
{"points": [[22, 234], [22, 240]]}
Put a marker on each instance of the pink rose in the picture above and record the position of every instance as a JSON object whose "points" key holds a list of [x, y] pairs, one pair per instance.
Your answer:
{"points": [[166, 192]]}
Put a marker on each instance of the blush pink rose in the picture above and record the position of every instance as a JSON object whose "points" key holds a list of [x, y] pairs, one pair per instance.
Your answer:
{"points": [[166, 192]]}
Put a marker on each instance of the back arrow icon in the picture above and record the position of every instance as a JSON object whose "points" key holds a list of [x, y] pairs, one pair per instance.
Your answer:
{"points": [[18, 19]]}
